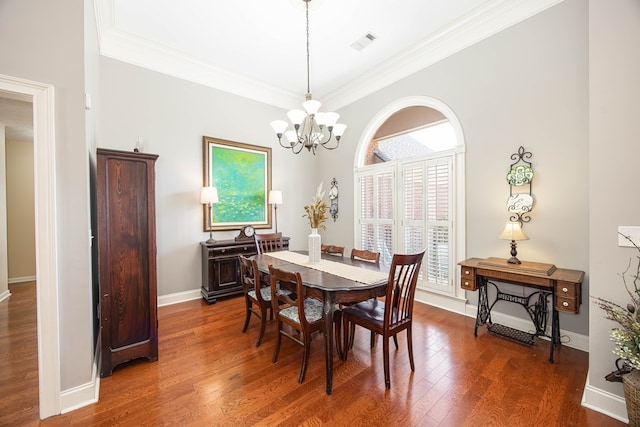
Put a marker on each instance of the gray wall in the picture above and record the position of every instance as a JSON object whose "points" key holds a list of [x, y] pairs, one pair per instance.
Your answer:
{"points": [[43, 41], [614, 150], [172, 116], [526, 86]]}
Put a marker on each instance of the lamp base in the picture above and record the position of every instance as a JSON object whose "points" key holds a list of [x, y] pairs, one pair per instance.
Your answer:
{"points": [[514, 252], [211, 240]]}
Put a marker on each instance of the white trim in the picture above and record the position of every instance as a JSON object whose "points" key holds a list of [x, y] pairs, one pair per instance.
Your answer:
{"points": [[6, 294], [480, 24], [483, 22], [24, 279], [604, 402], [86, 394], [179, 297], [42, 96], [389, 110]]}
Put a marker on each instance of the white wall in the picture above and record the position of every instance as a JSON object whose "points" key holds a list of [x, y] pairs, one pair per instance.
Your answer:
{"points": [[614, 150]]}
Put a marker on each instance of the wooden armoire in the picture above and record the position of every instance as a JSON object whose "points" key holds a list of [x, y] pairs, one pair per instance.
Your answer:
{"points": [[126, 257]]}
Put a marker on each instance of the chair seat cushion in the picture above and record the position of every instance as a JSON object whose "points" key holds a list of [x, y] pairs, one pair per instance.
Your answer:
{"points": [[266, 293], [312, 311], [371, 310]]}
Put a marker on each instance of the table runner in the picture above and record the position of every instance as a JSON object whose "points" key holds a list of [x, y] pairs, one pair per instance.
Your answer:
{"points": [[351, 272]]}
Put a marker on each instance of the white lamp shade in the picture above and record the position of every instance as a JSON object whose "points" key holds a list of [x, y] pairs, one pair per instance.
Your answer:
{"points": [[339, 129], [296, 116], [291, 136], [279, 126], [512, 231], [275, 197], [208, 195], [311, 106]]}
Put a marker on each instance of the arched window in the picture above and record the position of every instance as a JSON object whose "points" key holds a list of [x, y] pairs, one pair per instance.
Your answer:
{"points": [[409, 180]]}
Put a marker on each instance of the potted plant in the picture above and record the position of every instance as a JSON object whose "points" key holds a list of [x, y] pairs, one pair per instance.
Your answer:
{"points": [[626, 337]]}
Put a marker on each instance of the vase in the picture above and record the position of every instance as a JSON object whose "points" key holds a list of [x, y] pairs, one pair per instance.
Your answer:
{"points": [[314, 245], [631, 382]]}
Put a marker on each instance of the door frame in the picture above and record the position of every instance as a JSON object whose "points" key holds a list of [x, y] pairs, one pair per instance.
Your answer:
{"points": [[42, 97]]}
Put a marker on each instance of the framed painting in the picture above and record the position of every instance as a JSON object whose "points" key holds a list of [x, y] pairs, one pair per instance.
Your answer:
{"points": [[242, 175]]}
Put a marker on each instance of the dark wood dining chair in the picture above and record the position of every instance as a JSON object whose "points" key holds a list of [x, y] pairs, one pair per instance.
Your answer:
{"points": [[294, 309], [365, 255], [391, 316], [332, 250], [257, 297], [374, 258], [268, 242]]}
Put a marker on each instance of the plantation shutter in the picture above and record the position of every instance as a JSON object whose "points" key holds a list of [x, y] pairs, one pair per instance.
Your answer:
{"points": [[439, 209], [376, 212]]}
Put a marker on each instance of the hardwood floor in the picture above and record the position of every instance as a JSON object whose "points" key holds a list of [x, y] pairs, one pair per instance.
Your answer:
{"points": [[210, 374]]}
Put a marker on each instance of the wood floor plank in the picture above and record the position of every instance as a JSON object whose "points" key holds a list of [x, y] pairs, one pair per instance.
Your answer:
{"points": [[209, 373]]}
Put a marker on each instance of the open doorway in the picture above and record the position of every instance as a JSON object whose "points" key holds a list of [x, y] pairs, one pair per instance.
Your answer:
{"points": [[18, 320], [41, 97]]}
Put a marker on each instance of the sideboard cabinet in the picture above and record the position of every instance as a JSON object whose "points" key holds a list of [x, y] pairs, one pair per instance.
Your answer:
{"points": [[221, 268], [126, 236]]}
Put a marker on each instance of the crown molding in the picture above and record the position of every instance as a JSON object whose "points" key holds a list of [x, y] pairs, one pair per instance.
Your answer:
{"points": [[468, 30], [476, 26]]}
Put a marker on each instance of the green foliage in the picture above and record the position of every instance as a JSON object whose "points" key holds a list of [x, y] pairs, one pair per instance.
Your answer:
{"points": [[627, 335]]}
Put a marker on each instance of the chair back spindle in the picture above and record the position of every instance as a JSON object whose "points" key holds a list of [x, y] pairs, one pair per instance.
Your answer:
{"points": [[268, 242]]}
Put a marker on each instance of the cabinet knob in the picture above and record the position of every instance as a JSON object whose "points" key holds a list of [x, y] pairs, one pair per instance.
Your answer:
{"points": [[466, 272], [223, 251], [565, 290], [466, 283], [565, 304]]}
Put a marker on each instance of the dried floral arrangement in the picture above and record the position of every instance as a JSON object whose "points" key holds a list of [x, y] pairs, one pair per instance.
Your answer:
{"points": [[317, 211], [627, 335]]}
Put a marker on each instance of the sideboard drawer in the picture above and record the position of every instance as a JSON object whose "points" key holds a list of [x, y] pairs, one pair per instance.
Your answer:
{"points": [[467, 279], [568, 305], [568, 296]]}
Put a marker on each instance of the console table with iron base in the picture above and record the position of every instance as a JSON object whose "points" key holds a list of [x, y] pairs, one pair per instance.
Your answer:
{"points": [[562, 287]]}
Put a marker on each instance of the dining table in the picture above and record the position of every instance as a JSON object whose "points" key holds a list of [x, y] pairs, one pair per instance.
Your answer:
{"points": [[335, 280]]}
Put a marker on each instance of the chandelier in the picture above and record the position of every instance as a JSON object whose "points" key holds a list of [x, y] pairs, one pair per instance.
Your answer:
{"points": [[311, 127]]}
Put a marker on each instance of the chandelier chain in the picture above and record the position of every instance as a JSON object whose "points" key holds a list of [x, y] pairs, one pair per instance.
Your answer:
{"points": [[311, 128], [308, 55]]}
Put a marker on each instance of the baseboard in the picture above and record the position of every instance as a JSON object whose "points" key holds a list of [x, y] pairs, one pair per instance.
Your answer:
{"points": [[4, 295], [605, 402], [13, 280], [179, 297], [85, 394], [443, 301]]}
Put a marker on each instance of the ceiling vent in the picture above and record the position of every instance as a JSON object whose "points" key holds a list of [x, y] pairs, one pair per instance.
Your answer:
{"points": [[363, 41]]}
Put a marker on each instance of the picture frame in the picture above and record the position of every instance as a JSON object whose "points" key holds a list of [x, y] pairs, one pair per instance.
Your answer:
{"points": [[242, 174]]}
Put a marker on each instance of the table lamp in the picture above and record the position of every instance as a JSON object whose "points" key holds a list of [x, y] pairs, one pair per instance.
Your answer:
{"points": [[512, 231], [275, 197], [209, 196]]}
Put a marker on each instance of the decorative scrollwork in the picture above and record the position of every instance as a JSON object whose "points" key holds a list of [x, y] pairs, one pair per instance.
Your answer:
{"points": [[520, 175]]}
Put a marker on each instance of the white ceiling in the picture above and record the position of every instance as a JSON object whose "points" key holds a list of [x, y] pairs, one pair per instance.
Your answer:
{"points": [[257, 48]]}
